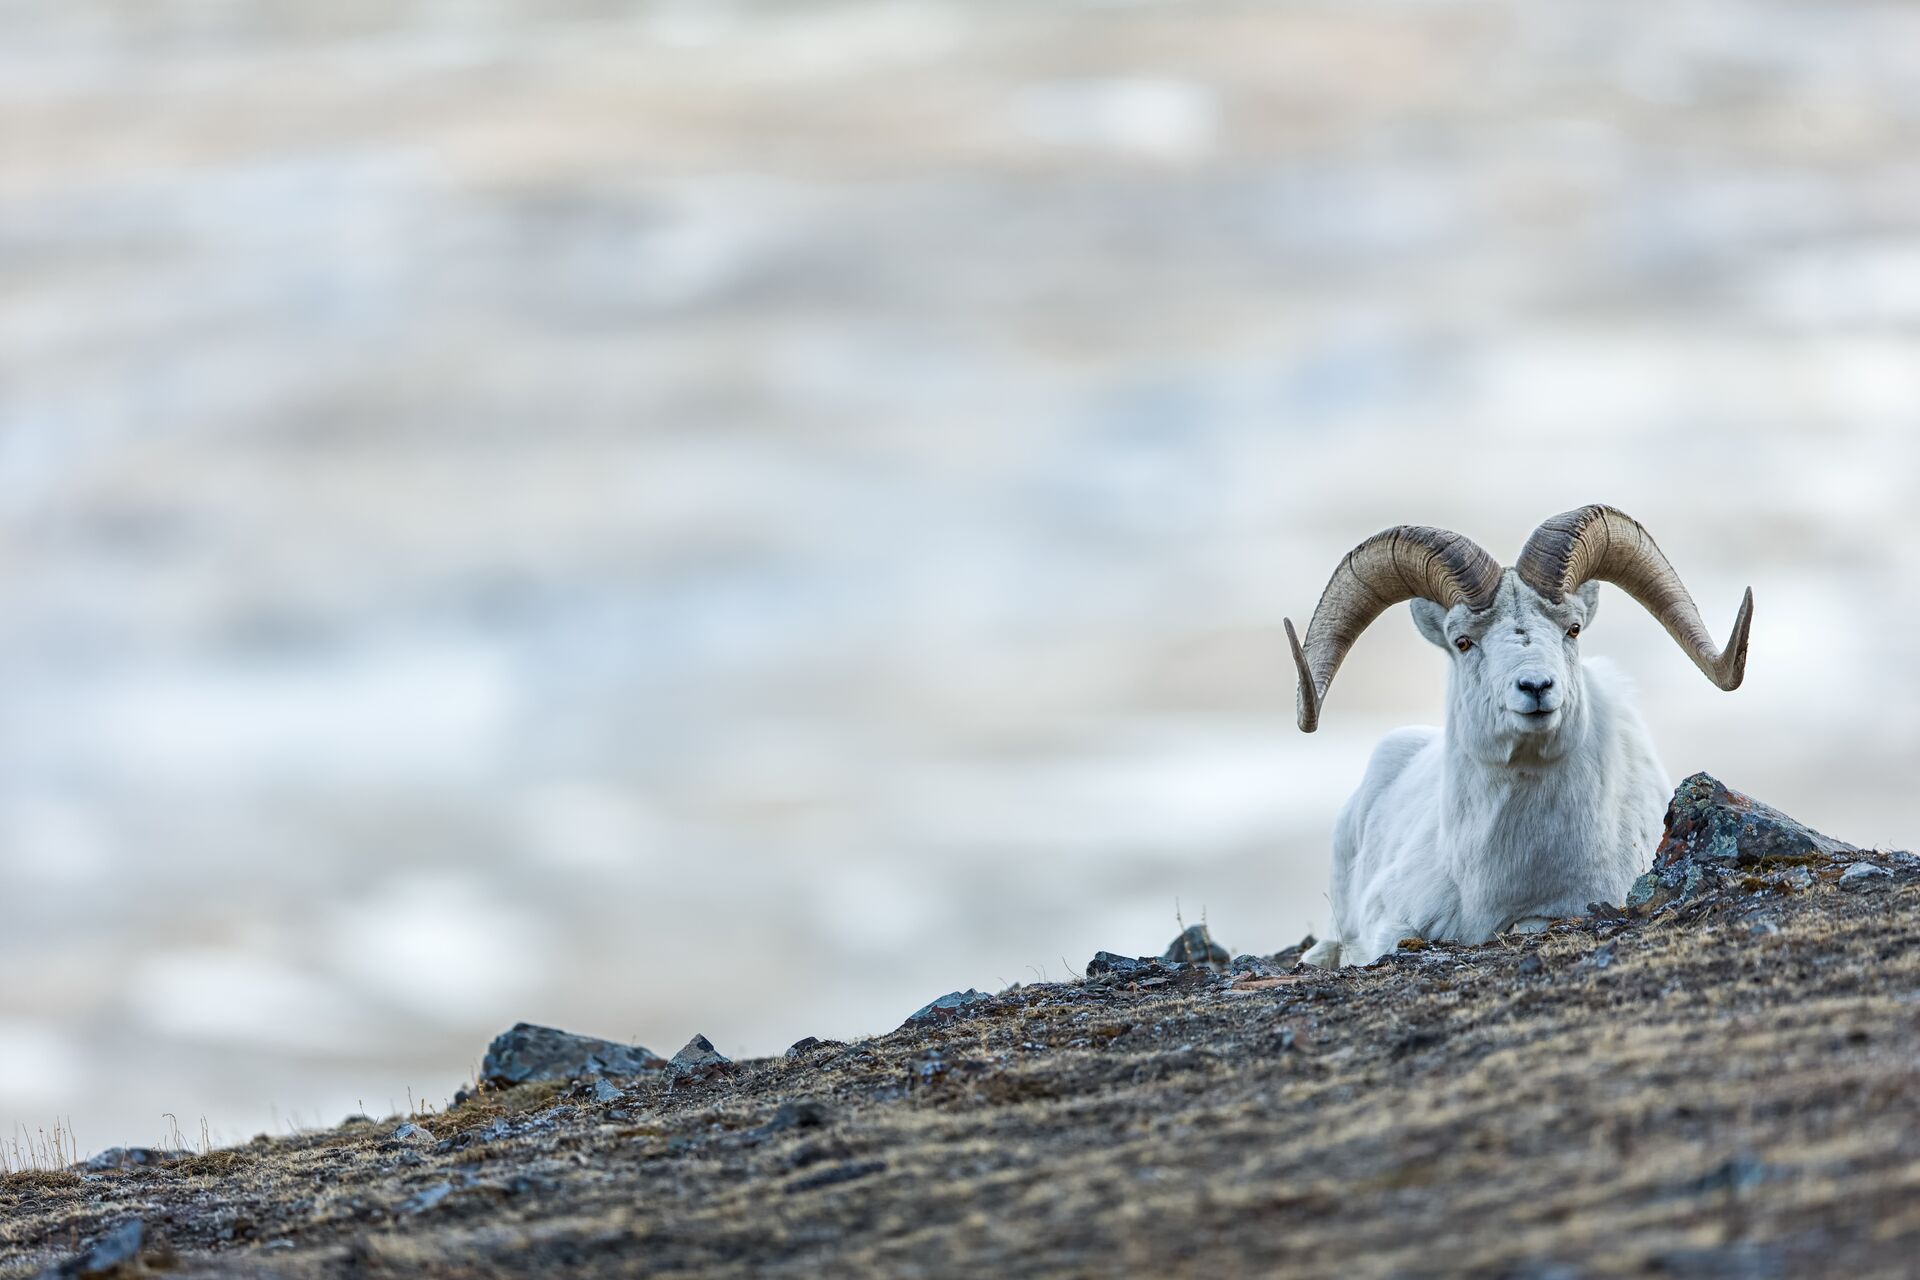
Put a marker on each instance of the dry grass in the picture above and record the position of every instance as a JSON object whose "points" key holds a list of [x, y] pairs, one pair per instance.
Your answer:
{"points": [[39, 1150]]}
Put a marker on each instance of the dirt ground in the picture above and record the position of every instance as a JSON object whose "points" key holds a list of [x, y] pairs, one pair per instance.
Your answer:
{"points": [[1725, 1087]]}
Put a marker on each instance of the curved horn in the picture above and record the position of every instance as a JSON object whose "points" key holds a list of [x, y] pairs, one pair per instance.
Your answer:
{"points": [[1598, 543], [1402, 563]]}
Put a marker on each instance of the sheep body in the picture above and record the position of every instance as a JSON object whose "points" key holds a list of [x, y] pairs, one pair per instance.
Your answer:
{"points": [[1526, 807]]}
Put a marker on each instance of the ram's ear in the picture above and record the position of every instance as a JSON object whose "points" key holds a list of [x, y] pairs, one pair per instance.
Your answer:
{"points": [[1432, 621], [1589, 594]]}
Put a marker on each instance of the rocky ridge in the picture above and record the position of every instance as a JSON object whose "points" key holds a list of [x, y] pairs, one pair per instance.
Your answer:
{"points": [[1712, 1078]]}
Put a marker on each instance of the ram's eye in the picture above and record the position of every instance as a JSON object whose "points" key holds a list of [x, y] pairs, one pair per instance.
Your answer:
{"points": [[1463, 644], [1573, 632]]}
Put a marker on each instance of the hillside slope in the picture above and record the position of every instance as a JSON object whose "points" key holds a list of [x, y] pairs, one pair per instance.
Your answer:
{"points": [[1720, 1079]]}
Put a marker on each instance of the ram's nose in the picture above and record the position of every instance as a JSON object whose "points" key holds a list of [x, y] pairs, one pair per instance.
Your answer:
{"points": [[1534, 697]]}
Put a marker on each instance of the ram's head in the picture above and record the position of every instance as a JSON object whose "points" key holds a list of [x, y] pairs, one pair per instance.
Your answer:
{"points": [[1514, 633]]}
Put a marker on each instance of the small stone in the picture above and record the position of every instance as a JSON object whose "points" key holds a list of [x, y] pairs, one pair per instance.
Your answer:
{"points": [[421, 1201], [411, 1133], [1107, 964], [1254, 966], [1287, 957], [807, 1044], [1599, 957], [494, 1130], [602, 1091], [1864, 876], [1530, 965], [1195, 946], [947, 1008], [1740, 1174], [699, 1059], [527, 1053]]}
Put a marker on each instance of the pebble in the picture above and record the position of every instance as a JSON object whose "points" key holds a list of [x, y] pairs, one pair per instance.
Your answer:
{"points": [[1864, 876], [946, 1008]]}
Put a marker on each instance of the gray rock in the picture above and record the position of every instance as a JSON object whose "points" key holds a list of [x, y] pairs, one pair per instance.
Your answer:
{"points": [[130, 1158], [412, 1134], [1865, 877], [602, 1091], [806, 1045], [1195, 946], [954, 1004], [1255, 966], [699, 1059], [528, 1053]]}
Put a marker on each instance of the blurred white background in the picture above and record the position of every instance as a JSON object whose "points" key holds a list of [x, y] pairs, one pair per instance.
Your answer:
{"points": [[741, 518]]}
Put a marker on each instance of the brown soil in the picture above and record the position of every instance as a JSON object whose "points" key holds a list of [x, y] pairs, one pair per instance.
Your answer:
{"points": [[1733, 1088]]}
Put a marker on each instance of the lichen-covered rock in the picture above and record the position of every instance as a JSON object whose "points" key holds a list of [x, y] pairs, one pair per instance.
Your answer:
{"points": [[528, 1053], [1708, 821], [1716, 837]]}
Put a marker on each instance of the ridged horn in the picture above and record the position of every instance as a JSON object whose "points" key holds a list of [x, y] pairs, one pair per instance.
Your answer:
{"points": [[1403, 563], [1599, 543]]}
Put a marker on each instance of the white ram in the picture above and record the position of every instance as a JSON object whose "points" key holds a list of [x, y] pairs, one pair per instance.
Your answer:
{"points": [[1543, 793]]}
